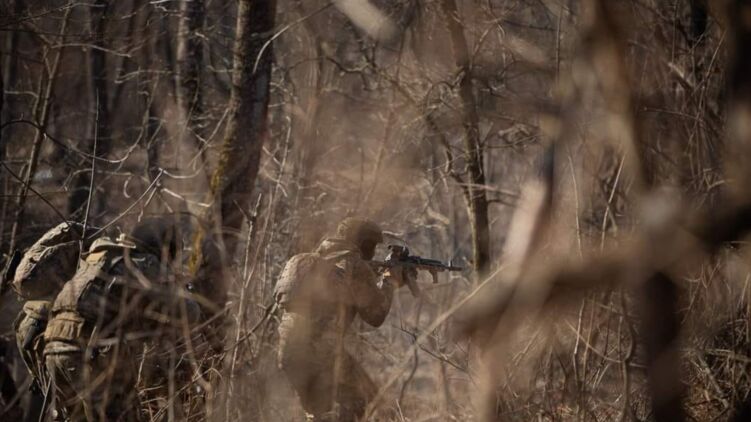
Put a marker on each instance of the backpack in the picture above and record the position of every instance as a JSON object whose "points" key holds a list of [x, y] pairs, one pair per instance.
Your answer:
{"points": [[29, 327], [307, 279], [87, 298], [89, 288], [48, 264]]}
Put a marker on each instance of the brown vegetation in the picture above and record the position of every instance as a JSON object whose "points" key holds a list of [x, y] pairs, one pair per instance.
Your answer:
{"points": [[586, 160]]}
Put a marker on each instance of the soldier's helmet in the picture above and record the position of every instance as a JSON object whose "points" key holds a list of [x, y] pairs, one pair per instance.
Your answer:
{"points": [[159, 236], [49, 263], [359, 231]]}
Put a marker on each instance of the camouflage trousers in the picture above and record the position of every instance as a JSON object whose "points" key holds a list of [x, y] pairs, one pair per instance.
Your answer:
{"points": [[29, 327], [330, 382], [95, 388]]}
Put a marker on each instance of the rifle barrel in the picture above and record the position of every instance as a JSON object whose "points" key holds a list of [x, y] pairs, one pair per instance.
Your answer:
{"points": [[418, 262]]}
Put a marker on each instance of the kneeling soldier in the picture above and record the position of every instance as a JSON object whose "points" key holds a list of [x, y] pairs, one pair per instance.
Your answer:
{"points": [[115, 303]]}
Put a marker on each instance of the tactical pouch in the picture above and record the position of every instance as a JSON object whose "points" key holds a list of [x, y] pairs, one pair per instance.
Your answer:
{"points": [[65, 326], [38, 309], [31, 323]]}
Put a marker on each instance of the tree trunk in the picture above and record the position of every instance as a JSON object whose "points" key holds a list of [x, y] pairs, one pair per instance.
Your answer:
{"points": [[3, 148], [41, 111], [10, 71], [232, 182], [99, 98], [474, 191], [235, 175], [189, 64], [8, 77], [166, 42], [152, 118], [152, 143]]}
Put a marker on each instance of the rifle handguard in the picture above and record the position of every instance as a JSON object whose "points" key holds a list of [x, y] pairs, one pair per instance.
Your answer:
{"points": [[399, 256]]}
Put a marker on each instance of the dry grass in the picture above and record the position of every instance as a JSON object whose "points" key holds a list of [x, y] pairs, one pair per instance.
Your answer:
{"points": [[612, 139]]}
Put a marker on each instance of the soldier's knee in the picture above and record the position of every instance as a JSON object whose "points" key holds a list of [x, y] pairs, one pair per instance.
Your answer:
{"points": [[64, 371]]}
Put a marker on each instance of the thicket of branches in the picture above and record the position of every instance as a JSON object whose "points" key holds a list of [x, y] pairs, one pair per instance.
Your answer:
{"points": [[585, 160]]}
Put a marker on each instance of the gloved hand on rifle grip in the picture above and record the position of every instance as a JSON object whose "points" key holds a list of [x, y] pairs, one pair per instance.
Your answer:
{"points": [[402, 275]]}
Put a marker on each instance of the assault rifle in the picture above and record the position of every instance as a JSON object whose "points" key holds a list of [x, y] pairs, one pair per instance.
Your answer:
{"points": [[399, 256]]}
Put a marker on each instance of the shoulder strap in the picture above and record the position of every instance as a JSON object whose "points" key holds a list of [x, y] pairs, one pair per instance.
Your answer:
{"points": [[91, 269], [333, 256]]}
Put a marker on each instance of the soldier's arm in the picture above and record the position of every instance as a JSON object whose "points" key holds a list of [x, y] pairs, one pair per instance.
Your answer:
{"points": [[372, 295]]}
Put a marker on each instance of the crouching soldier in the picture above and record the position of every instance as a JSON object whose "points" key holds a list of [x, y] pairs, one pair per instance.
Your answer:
{"points": [[37, 276], [320, 294], [122, 293]]}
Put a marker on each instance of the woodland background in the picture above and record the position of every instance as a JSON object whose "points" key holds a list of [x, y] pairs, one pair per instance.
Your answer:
{"points": [[586, 161]]}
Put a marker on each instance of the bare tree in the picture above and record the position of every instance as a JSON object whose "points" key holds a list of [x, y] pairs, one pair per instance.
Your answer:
{"points": [[189, 65], [9, 76], [41, 115], [473, 184], [99, 140], [590, 312], [233, 181]]}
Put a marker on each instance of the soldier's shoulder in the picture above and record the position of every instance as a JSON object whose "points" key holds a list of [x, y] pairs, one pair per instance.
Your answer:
{"points": [[300, 264], [107, 243], [110, 254], [47, 264], [353, 265], [363, 268], [296, 269], [63, 232]]}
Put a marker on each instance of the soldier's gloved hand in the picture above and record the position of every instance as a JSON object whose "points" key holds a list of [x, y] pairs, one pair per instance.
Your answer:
{"points": [[402, 275]]}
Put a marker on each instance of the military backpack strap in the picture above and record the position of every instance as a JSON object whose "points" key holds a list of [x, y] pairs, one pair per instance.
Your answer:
{"points": [[336, 270], [311, 279], [91, 270], [336, 255], [107, 254], [95, 282]]}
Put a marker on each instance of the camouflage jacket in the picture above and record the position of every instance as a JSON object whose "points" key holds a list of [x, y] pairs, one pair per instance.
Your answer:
{"points": [[348, 287], [115, 290], [48, 264]]}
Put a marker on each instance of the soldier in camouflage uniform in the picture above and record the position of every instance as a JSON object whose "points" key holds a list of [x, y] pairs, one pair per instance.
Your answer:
{"points": [[320, 294], [118, 300], [37, 278]]}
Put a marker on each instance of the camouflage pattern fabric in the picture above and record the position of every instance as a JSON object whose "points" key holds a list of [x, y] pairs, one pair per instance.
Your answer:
{"points": [[99, 323], [48, 263], [29, 327], [99, 387], [330, 382], [40, 275]]}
